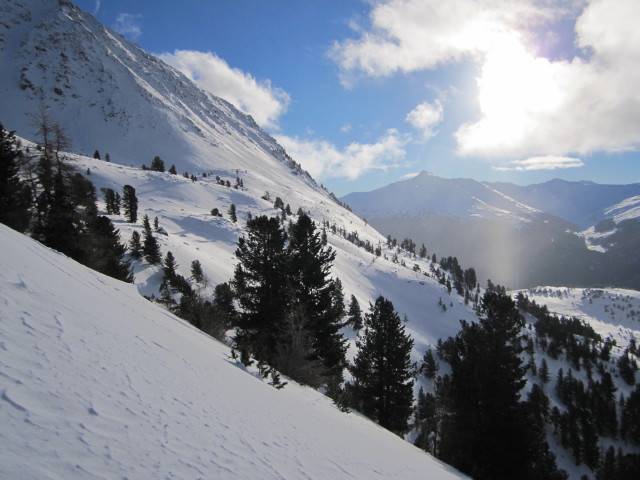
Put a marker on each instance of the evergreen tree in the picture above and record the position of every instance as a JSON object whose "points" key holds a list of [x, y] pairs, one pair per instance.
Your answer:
{"points": [[96, 155], [150, 247], [172, 170], [223, 306], [260, 286], [543, 371], [486, 418], [232, 213], [429, 365], [354, 316], [104, 252], [318, 297], [157, 164], [169, 266], [130, 203], [382, 370], [111, 204], [15, 196], [135, 245], [197, 274]]}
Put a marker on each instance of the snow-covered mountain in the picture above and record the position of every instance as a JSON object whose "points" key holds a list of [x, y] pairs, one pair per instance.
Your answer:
{"points": [[584, 204], [558, 232], [427, 194], [96, 382], [108, 94]]}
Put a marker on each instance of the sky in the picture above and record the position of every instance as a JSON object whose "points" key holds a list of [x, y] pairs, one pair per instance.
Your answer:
{"points": [[364, 93]]}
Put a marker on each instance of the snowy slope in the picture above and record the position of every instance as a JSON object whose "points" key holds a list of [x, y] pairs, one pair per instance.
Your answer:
{"points": [[96, 382], [582, 203], [612, 312], [427, 194], [183, 210], [110, 95]]}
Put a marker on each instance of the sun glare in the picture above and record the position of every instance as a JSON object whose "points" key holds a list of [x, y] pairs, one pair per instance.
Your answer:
{"points": [[513, 86]]}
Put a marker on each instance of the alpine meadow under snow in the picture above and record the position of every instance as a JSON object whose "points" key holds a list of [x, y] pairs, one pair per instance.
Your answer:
{"points": [[98, 382]]}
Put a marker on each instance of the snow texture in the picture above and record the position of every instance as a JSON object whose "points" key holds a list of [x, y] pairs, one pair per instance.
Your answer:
{"points": [[97, 382]]}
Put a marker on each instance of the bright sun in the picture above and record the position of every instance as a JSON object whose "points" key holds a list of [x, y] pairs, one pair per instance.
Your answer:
{"points": [[513, 86]]}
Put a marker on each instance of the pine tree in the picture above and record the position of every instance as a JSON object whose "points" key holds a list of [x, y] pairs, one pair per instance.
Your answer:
{"points": [[354, 316], [135, 245], [130, 203], [232, 213], [15, 196], [197, 274], [103, 251], [260, 286], [382, 370], [150, 247], [319, 297], [486, 417], [169, 266], [172, 170], [96, 155], [157, 164], [429, 365]]}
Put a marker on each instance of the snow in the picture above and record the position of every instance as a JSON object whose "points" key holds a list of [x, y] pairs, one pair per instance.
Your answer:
{"points": [[611, 312], [427, 194], [97, 382]]}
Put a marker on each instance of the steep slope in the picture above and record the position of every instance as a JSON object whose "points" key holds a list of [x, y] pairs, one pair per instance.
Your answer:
{"points": [[110, 95], [99, 383]]}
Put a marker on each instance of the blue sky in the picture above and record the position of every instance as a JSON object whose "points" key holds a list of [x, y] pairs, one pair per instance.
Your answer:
{"points": [[365, 93]]}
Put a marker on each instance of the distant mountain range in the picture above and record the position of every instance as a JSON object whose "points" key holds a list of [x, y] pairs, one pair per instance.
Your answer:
{"points": [[556, 233]]}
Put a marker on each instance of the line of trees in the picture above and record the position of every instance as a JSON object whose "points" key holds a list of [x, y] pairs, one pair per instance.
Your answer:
{"points": [[49, 199]]}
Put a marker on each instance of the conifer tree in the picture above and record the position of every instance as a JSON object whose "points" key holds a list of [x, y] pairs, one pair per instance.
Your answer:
{"points": [[232, 213], [197, 274], [169, 266], [429, 365], [354, 316], [130, 203], [15, 196], [382, 369], [157, 164], [487, 418], [260, 286], [103, 251], [319, 298], [135, 245], [150, 247]]}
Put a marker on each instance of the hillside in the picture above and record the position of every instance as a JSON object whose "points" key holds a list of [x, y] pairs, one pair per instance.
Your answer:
{"points": [[559, 233], [115, 361], [99, 383]]}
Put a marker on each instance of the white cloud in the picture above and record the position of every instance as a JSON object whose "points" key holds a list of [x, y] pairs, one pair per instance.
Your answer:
{"points": [[97, 7], [529, 106], [425, 117], [264, 102], [346, 128], [323, 159], [410, 35], [541, 163], [127, 25]]}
